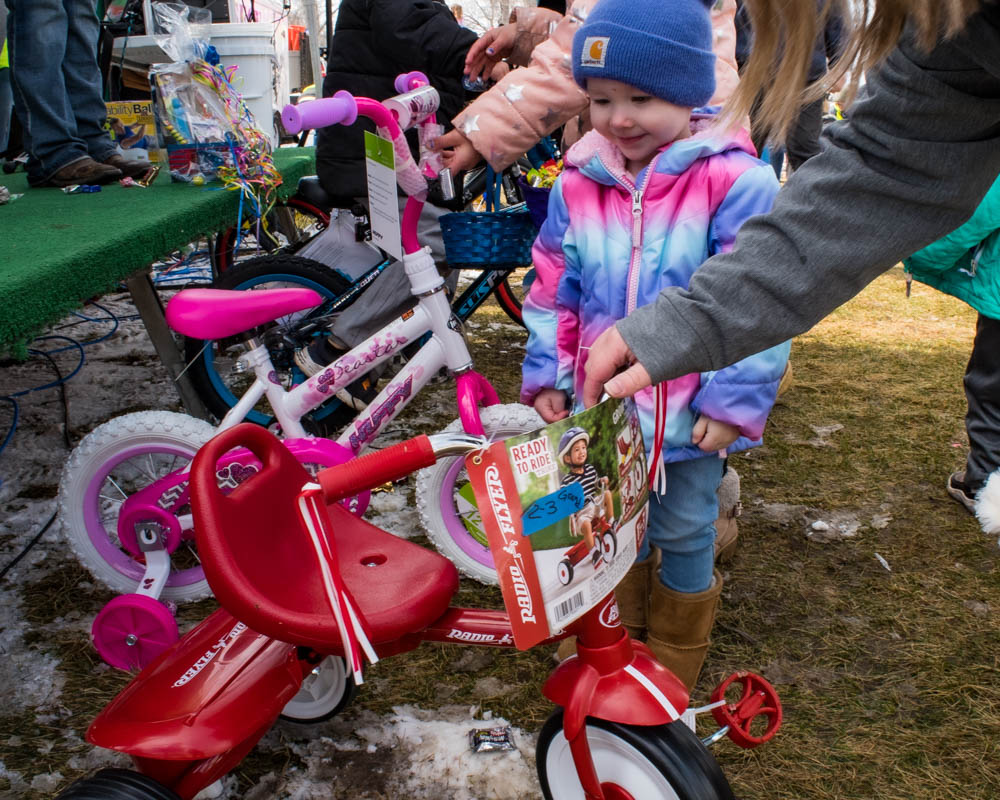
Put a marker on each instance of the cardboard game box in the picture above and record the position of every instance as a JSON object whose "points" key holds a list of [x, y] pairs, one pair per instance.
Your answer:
{"points": [[132, 127], [564, 521]]}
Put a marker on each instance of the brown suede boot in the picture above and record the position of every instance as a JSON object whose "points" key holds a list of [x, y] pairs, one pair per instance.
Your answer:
{"points": [[679, 627], [633, 595], [726, 529], [786, 379]]}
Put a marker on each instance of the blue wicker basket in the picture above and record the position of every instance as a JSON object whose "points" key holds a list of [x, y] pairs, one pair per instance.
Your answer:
{"points": [[497, 238]]}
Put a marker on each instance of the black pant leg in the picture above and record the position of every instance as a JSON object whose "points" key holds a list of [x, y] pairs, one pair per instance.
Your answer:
{"points": [[982, 391], [803, 137]]}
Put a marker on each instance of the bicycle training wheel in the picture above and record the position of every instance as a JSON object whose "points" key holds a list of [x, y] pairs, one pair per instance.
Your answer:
{"points": [[446, 503], [212, 361], [290, 224], [667, 762]]}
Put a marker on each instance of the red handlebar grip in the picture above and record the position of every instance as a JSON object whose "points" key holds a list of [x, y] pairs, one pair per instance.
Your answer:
{"points": [[374, 469]]}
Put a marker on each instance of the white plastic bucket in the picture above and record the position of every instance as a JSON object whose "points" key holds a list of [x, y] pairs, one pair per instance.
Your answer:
{"points": [[250, 47]]}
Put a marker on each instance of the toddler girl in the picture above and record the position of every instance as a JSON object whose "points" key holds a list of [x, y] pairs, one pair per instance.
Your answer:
{"points": [[645, 198]]}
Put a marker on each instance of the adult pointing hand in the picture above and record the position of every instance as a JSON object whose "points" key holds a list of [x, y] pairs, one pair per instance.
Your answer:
{"points": [[612, 368]]}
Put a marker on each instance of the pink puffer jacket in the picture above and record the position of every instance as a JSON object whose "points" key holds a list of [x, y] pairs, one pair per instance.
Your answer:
{"points": [[532, 101]]}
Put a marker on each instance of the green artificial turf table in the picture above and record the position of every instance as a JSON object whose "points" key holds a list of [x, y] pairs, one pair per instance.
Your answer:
{"points": [[57, 250]]}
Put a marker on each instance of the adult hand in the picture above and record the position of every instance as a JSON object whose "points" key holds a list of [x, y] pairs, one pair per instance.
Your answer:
{"points": [[488, 49], [612, 368], [456, 151]]}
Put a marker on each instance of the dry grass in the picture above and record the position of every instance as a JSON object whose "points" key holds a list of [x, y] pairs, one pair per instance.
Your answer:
{"points": [[889, 678]]}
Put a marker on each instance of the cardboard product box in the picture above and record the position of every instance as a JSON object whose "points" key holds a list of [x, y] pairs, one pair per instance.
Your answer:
{"points": [[133, 129]]}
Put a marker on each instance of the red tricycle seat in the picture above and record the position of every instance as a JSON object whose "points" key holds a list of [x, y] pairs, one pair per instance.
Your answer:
{"points": [[264, 570]]}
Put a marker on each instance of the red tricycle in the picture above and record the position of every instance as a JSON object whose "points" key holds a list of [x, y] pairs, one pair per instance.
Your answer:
{"points": [[305, 587]]}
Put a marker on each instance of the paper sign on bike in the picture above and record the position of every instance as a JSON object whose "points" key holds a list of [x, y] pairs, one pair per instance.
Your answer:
{"points": [[564, 509], [382, 200]]}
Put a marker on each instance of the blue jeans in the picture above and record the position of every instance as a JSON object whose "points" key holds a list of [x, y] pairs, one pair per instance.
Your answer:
{"points": [[56, 83], [682, 524], [6, 103]]}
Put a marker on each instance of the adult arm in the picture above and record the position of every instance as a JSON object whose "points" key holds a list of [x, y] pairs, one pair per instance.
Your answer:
{"points": [[528, 103], [919, 152]]}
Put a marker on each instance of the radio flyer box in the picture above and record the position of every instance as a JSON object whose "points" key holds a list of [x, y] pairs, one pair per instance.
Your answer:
{"points": [[564, 509]]}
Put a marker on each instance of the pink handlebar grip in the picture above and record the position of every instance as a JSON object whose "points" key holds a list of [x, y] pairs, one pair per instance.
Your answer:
{"points": [[339, 109], [374, 469]]}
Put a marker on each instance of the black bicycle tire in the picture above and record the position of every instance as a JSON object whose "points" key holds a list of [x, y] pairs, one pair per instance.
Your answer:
{"points": [[116, 784], [508, 301]]}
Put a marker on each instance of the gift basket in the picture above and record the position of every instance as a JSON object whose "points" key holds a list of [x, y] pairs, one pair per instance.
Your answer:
{"points": [[202, 121], [498, 237], [536, 185]]}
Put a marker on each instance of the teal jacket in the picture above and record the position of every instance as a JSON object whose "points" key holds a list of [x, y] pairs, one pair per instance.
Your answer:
{"points": [[966, 262]]}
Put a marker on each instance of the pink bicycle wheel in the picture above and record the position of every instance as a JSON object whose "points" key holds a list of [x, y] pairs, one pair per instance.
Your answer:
{"points": [[132, 630]]}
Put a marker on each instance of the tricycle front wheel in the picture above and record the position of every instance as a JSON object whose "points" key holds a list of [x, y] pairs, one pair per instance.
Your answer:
{"points": [[667, 762]]}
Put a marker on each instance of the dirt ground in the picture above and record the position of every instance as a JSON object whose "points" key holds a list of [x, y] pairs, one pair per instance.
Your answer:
{"points": [[859, 589]]}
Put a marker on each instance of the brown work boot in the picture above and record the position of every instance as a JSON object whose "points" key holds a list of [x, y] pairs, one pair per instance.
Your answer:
{"points": [[679, 627], [86, 171], [133, 169]]}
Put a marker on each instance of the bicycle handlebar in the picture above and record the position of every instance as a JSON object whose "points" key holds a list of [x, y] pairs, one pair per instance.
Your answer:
{"points": [[340, 109]]}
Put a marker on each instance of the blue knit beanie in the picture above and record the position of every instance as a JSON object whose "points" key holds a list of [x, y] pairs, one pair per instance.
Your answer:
{"points": [[663, 47]]}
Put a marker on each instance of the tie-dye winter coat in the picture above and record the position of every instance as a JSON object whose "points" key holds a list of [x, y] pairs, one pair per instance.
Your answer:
{"points": [[610, 244]]}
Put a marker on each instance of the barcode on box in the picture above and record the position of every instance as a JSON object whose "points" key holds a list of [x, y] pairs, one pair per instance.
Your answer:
{"points": [[567, 607]]}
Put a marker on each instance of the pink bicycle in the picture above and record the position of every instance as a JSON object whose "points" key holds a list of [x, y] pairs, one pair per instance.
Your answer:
{"points": [[124, 495]]}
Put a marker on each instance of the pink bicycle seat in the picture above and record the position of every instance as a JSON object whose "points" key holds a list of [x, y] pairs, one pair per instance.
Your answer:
{"points": [[218, 313]]}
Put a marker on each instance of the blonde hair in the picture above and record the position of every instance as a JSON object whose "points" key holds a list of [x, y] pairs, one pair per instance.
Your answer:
{"points": [[784, 33]]}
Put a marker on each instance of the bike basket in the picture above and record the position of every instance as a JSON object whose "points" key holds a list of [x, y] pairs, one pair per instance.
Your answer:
{"points": [[494, 238]]}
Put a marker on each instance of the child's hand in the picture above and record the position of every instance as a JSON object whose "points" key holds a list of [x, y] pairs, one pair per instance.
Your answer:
{"points": [[456, 151], [710, 434], [551, 405], [488, 49]]}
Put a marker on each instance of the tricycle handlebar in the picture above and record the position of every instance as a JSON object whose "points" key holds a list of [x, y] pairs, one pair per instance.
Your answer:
{"points": [[392, 463]]}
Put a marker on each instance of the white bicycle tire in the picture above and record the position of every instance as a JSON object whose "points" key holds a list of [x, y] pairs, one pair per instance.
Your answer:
{"points": [[500, 422], [144, 429]]}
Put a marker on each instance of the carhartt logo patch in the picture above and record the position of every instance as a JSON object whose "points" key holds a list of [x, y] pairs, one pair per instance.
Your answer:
{"points": [[595, 50]]}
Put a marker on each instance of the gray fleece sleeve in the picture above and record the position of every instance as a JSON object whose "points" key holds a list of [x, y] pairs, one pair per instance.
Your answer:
{"points": [[920, 150]]}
